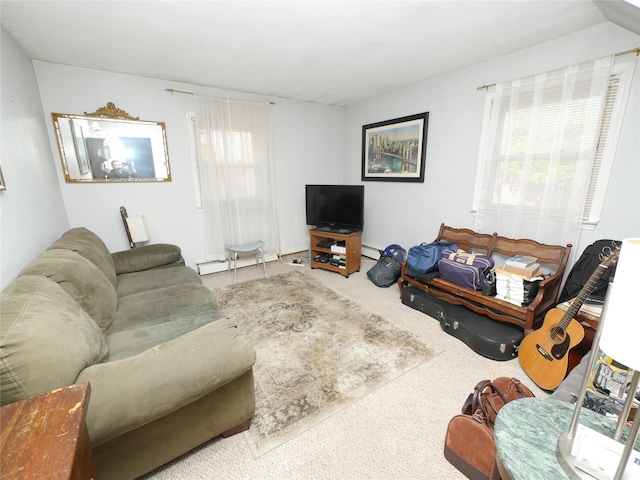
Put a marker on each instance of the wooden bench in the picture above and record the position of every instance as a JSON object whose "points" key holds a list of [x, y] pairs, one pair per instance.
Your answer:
{"points": [[553, 257]]}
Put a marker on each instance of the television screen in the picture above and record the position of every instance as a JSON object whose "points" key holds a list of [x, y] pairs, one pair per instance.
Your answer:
{"points": [[335, 207]]}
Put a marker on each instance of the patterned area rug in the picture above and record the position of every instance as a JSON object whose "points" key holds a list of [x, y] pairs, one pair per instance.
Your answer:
{"points": [[317, 351]]}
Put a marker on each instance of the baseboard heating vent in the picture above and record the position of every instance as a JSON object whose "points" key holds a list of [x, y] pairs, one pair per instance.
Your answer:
{"points": [[370, 252], [205, 268]]}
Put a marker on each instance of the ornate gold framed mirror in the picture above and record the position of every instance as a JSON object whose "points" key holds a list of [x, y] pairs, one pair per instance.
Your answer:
{"points": [[109, 145]]}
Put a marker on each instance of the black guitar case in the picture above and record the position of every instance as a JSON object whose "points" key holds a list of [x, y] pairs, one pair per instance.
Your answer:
{"points": [[485, 336]]}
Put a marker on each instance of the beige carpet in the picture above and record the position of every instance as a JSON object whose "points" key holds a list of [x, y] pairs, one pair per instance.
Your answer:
{"points": [[395, 432], [317, 351]]}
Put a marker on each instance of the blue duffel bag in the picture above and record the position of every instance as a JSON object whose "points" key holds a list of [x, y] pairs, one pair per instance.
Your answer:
{"points": [[424, 258]]}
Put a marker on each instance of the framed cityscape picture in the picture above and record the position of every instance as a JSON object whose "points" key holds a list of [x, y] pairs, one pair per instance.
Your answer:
{"points": [[394, 150]]}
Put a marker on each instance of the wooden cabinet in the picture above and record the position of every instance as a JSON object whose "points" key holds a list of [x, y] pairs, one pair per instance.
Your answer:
{"points": [[336, 252], [46, 436]]}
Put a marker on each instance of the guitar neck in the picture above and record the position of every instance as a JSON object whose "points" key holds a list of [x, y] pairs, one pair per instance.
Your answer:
{"points": [[586, 290]]}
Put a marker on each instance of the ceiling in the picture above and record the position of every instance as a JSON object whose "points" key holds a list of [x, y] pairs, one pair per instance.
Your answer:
{"points": [[330, 52]]}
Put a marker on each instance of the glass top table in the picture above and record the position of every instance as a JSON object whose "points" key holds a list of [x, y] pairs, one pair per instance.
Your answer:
{"points": [[527, 432]]}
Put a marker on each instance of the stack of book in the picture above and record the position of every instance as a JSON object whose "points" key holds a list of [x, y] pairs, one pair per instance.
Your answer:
{"points": [[509, 287], [522, 265], [510, 280], [590, 308]]}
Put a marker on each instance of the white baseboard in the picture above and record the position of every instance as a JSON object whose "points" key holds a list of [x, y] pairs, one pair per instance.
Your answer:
{"points": [[370, 252], [205, 268]]}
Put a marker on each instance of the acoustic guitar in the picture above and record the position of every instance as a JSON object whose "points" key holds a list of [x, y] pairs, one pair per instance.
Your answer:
{"points": [[544, 352]]}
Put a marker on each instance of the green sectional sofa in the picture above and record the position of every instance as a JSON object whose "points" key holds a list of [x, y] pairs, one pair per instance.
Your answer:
{"points": [[168, 371]]}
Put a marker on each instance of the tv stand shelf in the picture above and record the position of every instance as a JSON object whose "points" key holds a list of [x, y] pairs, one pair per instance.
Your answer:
{"points": [[350, 258]]}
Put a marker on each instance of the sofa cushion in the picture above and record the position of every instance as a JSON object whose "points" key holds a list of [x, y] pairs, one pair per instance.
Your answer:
{"points": [[162, 304], [127, 343], [138, 282], [81, 279], [46, 338], [147, 257], [91, 247]]}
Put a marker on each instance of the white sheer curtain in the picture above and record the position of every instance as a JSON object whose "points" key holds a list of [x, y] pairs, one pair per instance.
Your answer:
{"points": [[537, 150], [236, 174]]}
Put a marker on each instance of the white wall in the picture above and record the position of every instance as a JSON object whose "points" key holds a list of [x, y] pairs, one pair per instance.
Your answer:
{"points": [[308, 150], [408, 214], [313, 144], [307, 145], [32, 214]]}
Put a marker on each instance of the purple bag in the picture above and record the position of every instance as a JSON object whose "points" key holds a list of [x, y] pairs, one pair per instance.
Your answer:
{"points": [[465, 269]]}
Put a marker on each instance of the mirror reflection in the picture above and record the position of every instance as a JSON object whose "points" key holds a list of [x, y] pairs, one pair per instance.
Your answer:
{"points": [[110, 146]]}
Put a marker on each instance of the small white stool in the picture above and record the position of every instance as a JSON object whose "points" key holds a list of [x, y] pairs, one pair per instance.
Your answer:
{"points": [[255, 247]]}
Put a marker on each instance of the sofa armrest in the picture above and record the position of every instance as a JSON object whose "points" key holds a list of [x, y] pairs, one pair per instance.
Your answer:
{"points": [[147, 257], [570, 387], [129, 393]]}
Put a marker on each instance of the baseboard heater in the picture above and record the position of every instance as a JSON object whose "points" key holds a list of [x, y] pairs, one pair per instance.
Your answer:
{"points": [[205, 268], [370, 252], [365, 251]]}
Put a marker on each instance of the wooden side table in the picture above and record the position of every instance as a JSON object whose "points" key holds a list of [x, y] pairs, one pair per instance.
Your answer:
{"points": [[46, 436], [350, 256]]}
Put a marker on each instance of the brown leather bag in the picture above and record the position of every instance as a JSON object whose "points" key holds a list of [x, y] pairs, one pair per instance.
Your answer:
{"points": [[469, 443]]}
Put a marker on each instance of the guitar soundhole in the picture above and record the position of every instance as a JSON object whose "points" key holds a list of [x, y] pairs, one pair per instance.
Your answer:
{"points": [[557, 335]]}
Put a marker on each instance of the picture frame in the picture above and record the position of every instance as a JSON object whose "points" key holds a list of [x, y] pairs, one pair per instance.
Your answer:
{"points": [[82, 140], [394, 150], [3, 186]]}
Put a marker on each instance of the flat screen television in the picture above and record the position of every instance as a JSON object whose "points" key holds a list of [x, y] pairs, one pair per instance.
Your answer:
{"points": [[337, 208]]}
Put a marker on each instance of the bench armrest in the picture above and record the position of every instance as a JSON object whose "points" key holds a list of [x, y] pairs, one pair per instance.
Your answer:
{"points": [[548, 291]]}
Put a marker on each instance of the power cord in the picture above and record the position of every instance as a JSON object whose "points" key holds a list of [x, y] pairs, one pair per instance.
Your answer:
{"points": [[298, 262], [295, 262]]}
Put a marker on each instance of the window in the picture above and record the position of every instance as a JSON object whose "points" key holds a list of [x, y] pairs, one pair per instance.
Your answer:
{"points": [[536, 141], [233, 173], [239, 163]]}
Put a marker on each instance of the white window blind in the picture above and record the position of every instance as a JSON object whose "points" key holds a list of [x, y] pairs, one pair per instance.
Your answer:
{"points": [[615, 103]]}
